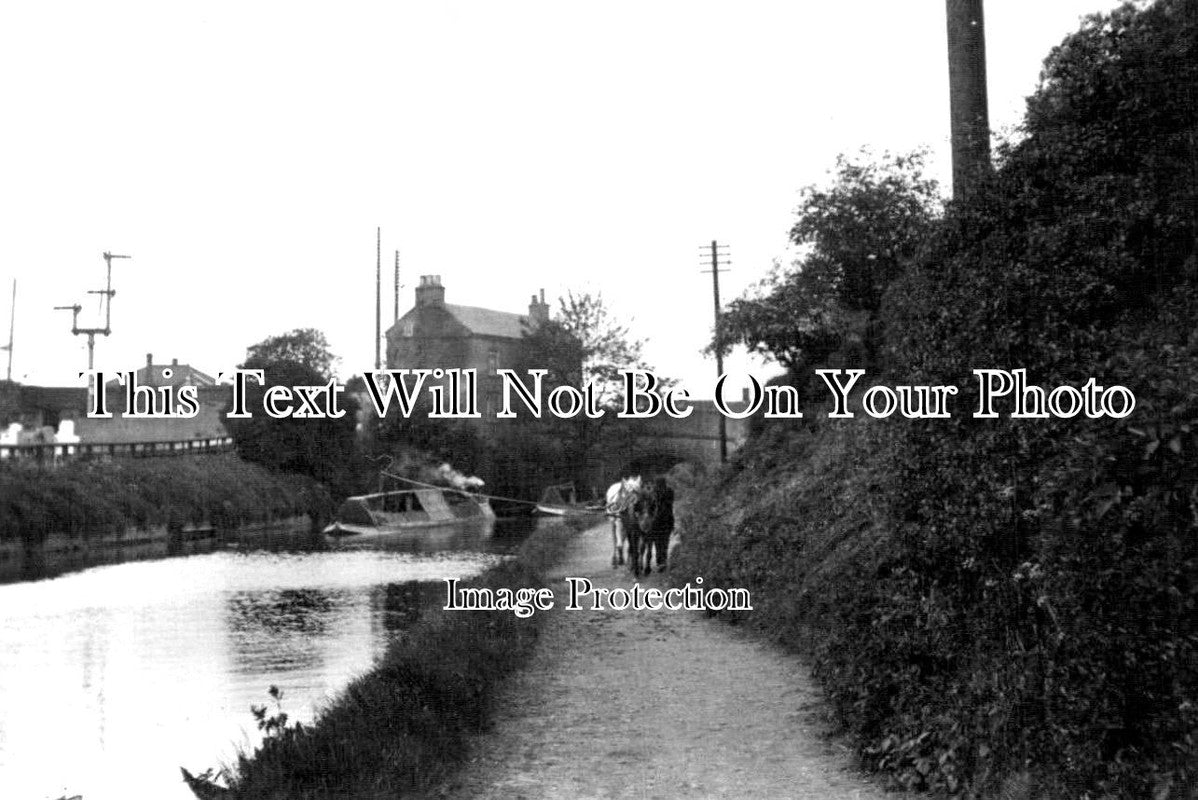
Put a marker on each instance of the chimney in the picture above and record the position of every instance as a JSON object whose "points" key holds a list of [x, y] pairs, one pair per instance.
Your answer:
{"points": [[149, 360], [430, 292], [538, 310], [174, 362]]}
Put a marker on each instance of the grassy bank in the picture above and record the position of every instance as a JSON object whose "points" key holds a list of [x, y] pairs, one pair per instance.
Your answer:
{"points": [[88, 498], [404, 725]]}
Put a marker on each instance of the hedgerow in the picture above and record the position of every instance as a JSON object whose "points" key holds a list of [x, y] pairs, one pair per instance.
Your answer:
{"points": [[1013, 602]]}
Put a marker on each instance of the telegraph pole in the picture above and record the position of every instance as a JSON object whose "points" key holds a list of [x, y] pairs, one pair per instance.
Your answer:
{"points": [[378, 299], [968, 112], [718, 252], [396, 287]]}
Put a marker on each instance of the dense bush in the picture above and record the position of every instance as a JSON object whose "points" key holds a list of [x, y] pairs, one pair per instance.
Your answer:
{"points": [[1015, 601], [323, 449]]}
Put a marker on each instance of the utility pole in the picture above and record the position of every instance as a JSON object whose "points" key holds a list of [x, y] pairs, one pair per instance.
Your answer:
{"points": [[12, 322], [719, 251], [396, 287], [968, 112], [378, 299]]}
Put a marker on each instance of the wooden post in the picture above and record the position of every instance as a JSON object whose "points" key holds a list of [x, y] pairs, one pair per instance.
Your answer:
{"points": [[719, 345]]}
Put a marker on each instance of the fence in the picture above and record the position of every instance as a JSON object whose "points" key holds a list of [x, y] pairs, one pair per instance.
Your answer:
{"points": [[57, 452]]}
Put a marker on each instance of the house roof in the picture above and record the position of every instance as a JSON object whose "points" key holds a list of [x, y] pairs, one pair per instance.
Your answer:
{"points": [[487, 322], [181, 375]]}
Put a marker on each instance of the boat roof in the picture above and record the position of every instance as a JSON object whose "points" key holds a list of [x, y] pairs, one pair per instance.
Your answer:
{"points": [[407, 491]]}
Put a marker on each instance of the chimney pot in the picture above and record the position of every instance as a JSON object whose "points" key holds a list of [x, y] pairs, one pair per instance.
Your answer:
{"points": [[149, 359], [538, 312]]}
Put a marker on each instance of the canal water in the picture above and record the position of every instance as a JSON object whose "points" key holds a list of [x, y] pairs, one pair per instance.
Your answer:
{"points": [[113, 677]]}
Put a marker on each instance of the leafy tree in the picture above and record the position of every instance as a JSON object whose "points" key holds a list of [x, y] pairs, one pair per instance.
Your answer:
{"points": [[857, 236], [306, 346], [584, 343], [584, 332], [792, 318], [325, 449], [551, 346]]}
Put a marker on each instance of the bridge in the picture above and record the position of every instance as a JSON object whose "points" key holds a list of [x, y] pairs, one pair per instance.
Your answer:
{"points": [[663, 440]]}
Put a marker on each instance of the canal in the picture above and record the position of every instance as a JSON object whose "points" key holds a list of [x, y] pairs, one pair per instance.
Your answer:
{"points": [[113, 677]]}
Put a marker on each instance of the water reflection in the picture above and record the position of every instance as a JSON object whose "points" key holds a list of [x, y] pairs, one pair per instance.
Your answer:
{"points": [[280, 630], [113, 677]]}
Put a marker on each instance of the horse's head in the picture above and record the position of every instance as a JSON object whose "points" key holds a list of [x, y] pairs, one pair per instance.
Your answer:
{"points": [[623, 494]]}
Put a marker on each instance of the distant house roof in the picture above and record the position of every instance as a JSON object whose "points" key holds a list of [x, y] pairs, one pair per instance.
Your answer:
{"points": [[181, 375], [486, 322]]}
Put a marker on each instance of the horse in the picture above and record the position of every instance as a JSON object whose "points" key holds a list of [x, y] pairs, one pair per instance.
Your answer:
{"points": [[621, 497], [654, 512]]}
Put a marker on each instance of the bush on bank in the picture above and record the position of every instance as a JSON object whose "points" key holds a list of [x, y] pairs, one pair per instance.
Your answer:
{"points": [[81, 499], [1012, 605], [403, 726]]}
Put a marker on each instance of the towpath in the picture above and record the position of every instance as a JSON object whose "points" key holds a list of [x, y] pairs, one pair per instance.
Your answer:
{"points": [[654, 704]]}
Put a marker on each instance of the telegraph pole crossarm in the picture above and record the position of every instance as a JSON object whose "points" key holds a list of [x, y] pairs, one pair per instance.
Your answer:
{"points": [[75, 318]]}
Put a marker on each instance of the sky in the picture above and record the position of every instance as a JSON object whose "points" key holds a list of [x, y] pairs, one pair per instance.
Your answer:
{"points": [[244, 155]]}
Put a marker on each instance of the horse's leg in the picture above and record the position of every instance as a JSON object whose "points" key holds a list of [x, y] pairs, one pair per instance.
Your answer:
{"points": [[631, 537], [661, 540], [634, 551], [615, 543], [621, 539]]}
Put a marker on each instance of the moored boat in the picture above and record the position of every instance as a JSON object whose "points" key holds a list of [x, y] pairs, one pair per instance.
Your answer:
{"points": [[562, 501], [381, 513]]}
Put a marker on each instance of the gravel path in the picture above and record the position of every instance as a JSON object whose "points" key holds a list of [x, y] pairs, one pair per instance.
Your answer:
{"points": [[654, 704]]}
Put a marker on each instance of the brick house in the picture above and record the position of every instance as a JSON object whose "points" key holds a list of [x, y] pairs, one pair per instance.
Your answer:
{"points": [[435, 334]]}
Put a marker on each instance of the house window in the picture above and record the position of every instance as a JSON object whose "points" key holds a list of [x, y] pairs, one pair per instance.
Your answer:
{"points": [[492, 360], [408, 328]]}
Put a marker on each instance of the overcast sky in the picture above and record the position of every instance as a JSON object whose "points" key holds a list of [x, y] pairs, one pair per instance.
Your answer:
{"points": [[244, 153]]}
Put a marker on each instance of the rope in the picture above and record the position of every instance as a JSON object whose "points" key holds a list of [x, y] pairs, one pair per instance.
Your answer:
{"points": [[459, 491]]}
